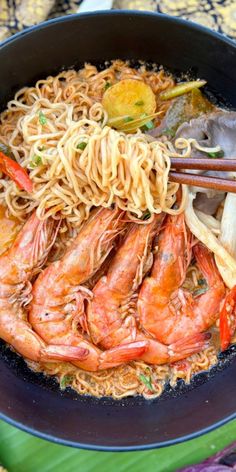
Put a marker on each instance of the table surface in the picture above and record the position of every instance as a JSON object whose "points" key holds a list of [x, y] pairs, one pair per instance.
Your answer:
{"points": [[20, 452]]}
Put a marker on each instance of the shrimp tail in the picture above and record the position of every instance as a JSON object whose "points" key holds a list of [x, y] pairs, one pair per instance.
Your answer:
{"points": [[228, 319], [63, 353], [28, 344], [122, 354], [188, 345]]}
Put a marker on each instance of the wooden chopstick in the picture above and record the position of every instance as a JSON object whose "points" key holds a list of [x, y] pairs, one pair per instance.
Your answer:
{"points": [[223, 185], [203, 164], [204, 181]]}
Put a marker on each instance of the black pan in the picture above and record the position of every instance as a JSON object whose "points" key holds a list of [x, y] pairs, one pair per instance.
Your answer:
{"points": [[33, 403]]}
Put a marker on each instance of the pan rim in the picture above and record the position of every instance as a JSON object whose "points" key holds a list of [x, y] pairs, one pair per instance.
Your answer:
{"points": [[92, 447], [161, 16]]}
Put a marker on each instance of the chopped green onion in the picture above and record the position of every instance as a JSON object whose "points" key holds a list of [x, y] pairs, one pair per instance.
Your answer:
{"points": [[65, 381], [139, 103], [217, 154], [169, 132], [181, 89], [5, 149], [35, 162], [149, 125], [199, 291], [127, 119], [146, 215], [42, 118], [129, 124], [107, 85], [147, 382], [82, 145]]}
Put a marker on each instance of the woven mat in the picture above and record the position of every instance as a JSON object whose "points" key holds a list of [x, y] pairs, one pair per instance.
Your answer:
{"points": [[216, 14]]}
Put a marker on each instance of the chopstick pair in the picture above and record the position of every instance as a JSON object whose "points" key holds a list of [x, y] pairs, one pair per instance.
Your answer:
{"points": [[216, 183]]}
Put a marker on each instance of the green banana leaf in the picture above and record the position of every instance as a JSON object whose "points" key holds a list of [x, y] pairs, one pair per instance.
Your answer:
{"points": [[20, 452]]}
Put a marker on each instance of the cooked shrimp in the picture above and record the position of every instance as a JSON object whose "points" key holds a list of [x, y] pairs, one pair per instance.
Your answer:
{"points": [[58, 297], [111, 312], [228, 319], [17, 265], [166, 310]]}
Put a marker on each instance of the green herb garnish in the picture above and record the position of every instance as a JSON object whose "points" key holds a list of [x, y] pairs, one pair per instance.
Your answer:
{"points": [[127, 119], [199, 291], [5, 149], [82, 145], [107, 85], [149, 125], [65, 381], [139, 103], [169, 132], [217, 154], [35, 162], [146, 215], [42, 118], [147, 382]]}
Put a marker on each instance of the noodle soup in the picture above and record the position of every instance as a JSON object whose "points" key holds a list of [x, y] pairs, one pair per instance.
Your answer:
{"points": [[104, 139]]}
